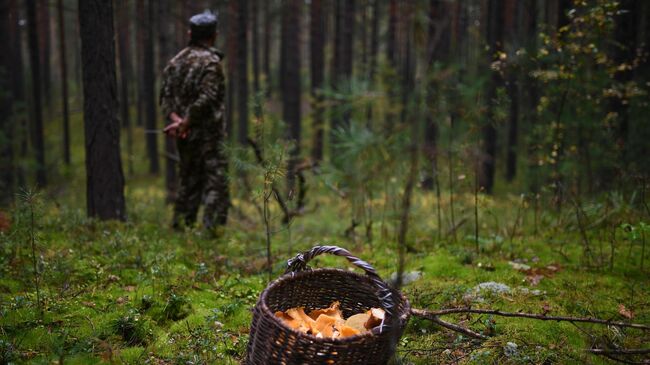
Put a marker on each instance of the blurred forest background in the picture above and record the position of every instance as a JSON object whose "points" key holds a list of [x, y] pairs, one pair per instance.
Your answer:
{"points": [[540, 97], [487, 131]]}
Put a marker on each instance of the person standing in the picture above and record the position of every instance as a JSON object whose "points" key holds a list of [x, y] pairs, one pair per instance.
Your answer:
{"points": [[192, 99]]}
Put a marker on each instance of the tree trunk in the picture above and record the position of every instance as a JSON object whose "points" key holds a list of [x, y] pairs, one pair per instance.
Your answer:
{"points": [[64, 84], [317, 60], [624, 51], [489, 132], [6, 109], [374, 40], [242, 70], [438, 48], [391, 43], [37, 123], [255, 36], [512, 88], [291, 16], [105, 181], [181, 25], [165, 53], [44, 28], [532, 99], [343, 60], [140, 37], [231, 51], [18, 87], [347, 44], [266, 52], [125, 76], [149, 93]]}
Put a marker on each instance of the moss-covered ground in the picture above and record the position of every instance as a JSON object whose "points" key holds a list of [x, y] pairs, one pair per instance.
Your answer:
{"points": [[140, 293]]}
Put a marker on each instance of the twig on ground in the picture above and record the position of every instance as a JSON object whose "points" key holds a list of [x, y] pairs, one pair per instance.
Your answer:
{"points": [[457, 328], [427, 314], [620, 351]]}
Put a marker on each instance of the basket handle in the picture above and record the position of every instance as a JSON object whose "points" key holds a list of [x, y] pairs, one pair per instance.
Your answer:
{"points": [[299, 263]]}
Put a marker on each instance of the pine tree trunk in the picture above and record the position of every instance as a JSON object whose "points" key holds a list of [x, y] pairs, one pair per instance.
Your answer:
{"points": [[317, 65], [266, 53], [21, 123], [165, 53], [374, 53], [489, 132], [438, 49], [512, 88], [391, 43], [6, 109], [242, 71], [105, 181], [149, 90], [231, 62], [532, 100], [374, 40], [44, 29], [64, 84], [291, 17], [181, 26], [37, 124], [140, 37], [255, 38], [125, 76], [624, 52]]}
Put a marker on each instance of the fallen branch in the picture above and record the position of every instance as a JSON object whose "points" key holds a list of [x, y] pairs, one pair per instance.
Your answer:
{"points": [[617, 359], [426, 314], [456, 328], [620, 351]]}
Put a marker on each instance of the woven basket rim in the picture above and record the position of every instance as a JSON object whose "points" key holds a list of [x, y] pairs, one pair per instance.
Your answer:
{"points": [[295, 276]]}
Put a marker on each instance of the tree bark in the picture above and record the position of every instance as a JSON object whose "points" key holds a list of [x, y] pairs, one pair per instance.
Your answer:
{"points": [[165, 53], [37, 123], [242, 70], [149, 90], [231, 51], [255, 39], [438, 49], [266, 53], [105, 181], [374, 40], [18, 87], [532, 99], [6, 109], [512, 88], [489, 132], [317, 60], [291, 83], [125, 76], [64, 84], [140, 40], [391, 43], [344, 58], [624, 52], [44, 29]]}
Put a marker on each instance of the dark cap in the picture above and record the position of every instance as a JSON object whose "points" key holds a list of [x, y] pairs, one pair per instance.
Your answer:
{"points": [[204, 24]]}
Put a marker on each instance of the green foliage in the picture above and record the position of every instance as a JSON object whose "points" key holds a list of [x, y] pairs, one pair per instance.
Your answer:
{"points": [[579, 141]]}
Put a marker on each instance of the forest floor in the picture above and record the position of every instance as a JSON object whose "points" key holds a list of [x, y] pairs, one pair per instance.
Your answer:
{"points": [[138, 292]]}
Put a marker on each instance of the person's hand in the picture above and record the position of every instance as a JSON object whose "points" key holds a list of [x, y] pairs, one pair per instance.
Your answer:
{"points": [[178, 127]]}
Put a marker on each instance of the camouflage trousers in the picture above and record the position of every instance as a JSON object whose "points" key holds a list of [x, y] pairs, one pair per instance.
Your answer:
{"points": [[203, 176]]}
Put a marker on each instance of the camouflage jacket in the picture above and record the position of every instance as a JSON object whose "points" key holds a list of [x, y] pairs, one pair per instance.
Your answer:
{"points": [[194, 85]]}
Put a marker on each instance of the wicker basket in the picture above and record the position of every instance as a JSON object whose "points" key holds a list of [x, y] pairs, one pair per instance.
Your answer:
{"points": [[271, 342]]}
